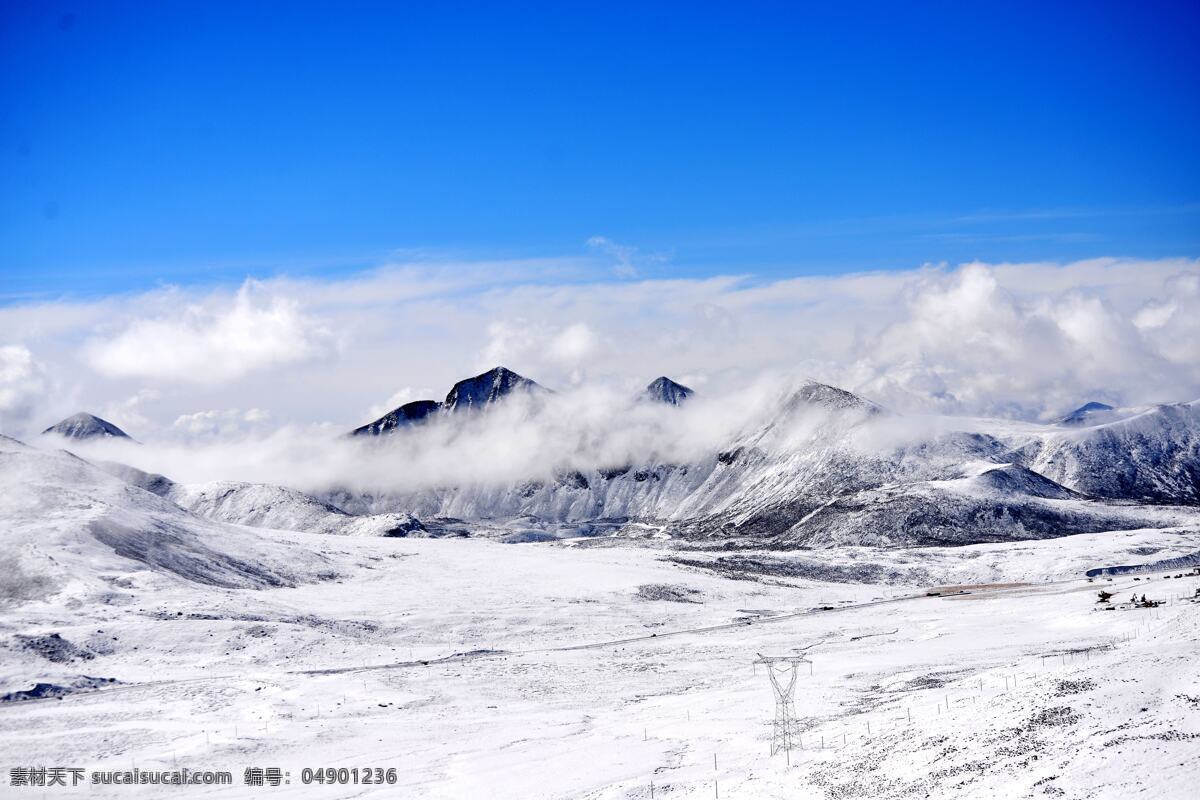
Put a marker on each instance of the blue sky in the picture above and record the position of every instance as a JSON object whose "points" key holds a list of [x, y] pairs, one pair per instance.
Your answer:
{"points": [[149, 143]]}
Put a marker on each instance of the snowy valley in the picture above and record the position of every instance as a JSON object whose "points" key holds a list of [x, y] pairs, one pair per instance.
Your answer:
{"points": [[589, 630]]}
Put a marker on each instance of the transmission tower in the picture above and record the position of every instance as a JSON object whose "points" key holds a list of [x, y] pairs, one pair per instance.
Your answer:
{"points": [[782, 672]]}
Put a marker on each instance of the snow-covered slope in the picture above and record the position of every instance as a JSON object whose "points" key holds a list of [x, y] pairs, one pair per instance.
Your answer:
{"points": [[1153, 456], [266, 506], [152, 482], [261, 505], [64, 521]]}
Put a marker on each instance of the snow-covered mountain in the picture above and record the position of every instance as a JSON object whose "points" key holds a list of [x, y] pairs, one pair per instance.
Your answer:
{"points": [[86, 426], [817, 467], [1151, 457], [830, 468]]}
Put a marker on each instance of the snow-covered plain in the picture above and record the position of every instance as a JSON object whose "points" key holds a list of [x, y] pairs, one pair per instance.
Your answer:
{"points": [[574, 682]]}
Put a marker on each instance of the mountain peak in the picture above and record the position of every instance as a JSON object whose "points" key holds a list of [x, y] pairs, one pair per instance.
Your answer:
{"points": [[86, 426], [813, 393], [1085, 413], [664, 390], [470, 394], [486, 388]]}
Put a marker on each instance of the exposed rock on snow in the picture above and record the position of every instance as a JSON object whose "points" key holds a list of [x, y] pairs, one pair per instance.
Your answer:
{"points": [[42, 691], [668, 591], [53, 647]]}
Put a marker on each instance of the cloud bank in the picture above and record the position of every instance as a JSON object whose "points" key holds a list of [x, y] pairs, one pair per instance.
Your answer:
{"points": [[210, 341], [526, 438], [1016, 340], [21, 384]]}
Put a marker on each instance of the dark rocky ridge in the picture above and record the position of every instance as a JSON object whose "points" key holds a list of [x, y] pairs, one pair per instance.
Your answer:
{"points": [[488, 388], [405, 415], [665, 390], [1086, 414], [472, 394]]}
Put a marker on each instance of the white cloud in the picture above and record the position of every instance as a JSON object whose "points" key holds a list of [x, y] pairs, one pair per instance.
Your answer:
{"points": [[627, 257], [213, 341], [256, 415], [1017, 339], [221, 422], [22, 384], [575, 343], [398, 398], [1172, 322], [131, 413], [523, 439], [519, 342], [508, 342], [992, 340]]}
